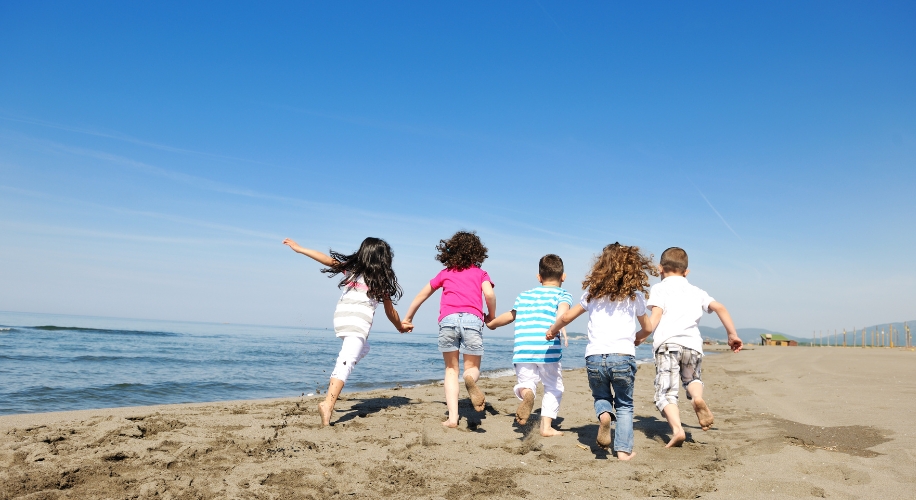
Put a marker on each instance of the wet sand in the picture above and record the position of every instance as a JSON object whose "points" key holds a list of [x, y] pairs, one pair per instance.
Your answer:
{"points": [[790, 422]]}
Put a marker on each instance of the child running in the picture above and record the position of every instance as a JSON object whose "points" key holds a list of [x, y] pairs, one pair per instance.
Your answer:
{"points": [[461, 317], [535, 358], [677, 307], [615, 301], [367, 279]]}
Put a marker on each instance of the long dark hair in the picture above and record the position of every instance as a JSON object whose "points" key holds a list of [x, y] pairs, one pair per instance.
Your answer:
{"points": [[373, 262]]}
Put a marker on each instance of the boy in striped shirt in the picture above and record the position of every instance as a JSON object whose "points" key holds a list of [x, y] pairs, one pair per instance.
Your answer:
{"points": [[537, 359]]}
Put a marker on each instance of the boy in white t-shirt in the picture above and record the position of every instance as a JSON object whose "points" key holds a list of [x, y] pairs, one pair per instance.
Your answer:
{"points": [[677, 307]]}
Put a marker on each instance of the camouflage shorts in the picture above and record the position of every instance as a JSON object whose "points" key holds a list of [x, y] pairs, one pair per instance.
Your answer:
{"points": [[673, 362]]}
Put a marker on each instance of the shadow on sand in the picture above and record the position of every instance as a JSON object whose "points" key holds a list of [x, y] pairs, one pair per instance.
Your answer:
{"points": [[366, 407]]}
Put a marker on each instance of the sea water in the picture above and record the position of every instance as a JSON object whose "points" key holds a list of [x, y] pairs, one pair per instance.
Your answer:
{"points": [[58, 362]]}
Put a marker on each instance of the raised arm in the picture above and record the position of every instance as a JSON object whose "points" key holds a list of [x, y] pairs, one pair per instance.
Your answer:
{"points": [[563, 320], [393, 316], [421, 297], [733, 341], [490, 296], [308, 252]]}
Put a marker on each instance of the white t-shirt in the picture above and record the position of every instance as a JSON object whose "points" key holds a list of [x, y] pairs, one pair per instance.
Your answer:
{"points": [[612, 326], [683, 305]]}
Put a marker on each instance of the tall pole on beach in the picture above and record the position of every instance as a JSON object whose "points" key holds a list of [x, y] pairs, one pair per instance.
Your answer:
{"points": [[844, 337], [909, 342]]}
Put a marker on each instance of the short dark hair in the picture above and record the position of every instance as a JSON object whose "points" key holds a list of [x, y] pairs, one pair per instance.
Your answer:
{"points": [[551, 267], [674, 260]]}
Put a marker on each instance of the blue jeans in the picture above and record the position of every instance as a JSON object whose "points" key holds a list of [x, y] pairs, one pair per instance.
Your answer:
{"points": [[611, 378], [461, 332]]}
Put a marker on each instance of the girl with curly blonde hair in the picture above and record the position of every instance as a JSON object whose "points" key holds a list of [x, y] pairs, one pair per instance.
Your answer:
{"points": [[615, 299]]}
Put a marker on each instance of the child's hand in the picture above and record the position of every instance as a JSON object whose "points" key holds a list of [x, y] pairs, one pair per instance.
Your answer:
{"points": [[489, 318], [735, 343], [406, 326], [637, 341], [290, 243], [551, 334], [490, 325]]}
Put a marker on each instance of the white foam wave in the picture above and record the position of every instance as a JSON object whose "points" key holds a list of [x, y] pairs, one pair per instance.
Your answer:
{"points": [[498, 373]]}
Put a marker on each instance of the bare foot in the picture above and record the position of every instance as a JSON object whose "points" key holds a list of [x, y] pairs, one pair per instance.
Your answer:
{"points": [[325, 411], [450, 424], [703, 414], [604, 431], [550, 432], [477, 398], [622, 455], [677, 438], [524, 408]]}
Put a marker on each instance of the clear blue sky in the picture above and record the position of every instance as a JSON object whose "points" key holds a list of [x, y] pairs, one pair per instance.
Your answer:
{"points": [[154, 155]]}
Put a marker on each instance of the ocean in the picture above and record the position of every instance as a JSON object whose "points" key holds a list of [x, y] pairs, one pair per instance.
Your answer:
{"points": [[51, 362]]}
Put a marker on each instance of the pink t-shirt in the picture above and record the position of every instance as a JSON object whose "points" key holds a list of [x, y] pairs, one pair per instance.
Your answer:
{"points": [[461, 291]]}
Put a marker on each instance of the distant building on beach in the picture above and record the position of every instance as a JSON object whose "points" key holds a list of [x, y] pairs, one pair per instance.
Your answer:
{"points": [[776, 339]]}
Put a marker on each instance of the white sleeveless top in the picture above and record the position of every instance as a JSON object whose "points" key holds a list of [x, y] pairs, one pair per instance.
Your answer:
{"points": [[355, 311]]}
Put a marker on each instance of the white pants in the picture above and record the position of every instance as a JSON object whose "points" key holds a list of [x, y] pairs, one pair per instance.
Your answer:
{"points": [[353, 349], [529, 374]]}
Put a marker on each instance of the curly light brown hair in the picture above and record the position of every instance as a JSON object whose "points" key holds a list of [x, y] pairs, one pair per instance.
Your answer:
{"points": [[619, 272], [463, 250]]}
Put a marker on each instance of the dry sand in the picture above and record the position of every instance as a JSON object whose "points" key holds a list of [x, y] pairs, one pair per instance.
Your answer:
{"points": [[790, 422]]}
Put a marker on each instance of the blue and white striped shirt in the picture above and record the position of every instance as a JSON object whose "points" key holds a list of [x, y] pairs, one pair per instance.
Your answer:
{"points": [[535, 312]]}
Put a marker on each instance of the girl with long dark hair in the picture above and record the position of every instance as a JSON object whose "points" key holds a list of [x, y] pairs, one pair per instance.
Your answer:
{"points": [[366, 279]]}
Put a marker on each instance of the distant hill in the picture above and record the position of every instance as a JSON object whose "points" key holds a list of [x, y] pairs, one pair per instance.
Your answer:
{"points": [[748, 335], [752, 335]]}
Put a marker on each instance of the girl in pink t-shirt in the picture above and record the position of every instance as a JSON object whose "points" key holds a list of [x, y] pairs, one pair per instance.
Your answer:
{"points": [[461, 316]]}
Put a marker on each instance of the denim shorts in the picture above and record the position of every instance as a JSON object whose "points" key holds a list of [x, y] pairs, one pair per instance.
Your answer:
{"points": [[461, 332]]}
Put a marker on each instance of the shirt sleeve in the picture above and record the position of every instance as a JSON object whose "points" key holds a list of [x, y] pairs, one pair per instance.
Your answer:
{"points": [[436, 283], [485, 276], [565, 297], [584, 300], [640, 304], [656, 298], [515, 306], [706, 301]]}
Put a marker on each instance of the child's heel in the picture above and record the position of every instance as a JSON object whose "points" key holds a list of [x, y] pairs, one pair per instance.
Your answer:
{"points": [[477, 398]]}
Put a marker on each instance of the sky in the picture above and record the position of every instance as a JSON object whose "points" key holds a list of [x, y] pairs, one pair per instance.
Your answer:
{"points": [[153, 155]]}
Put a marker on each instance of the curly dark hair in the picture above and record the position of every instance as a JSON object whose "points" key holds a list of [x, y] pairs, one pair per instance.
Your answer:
{"points": [[619, 272], [463, 250], [373, 262]]}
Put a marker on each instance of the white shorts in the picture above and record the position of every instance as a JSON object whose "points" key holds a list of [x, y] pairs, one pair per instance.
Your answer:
{"points": [[529, 374]]}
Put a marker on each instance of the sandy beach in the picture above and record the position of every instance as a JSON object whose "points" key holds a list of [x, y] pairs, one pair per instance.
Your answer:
{"points": [[790, 422]]}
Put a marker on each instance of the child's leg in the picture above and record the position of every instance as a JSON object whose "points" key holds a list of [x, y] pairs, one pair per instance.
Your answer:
{"points": [[471, 328], [471, 376], [451, 387], [527, 376], [449, 340], [623, 377], [667, 377], [552, 376], [352, 350], [691, 362], [600, 383]]}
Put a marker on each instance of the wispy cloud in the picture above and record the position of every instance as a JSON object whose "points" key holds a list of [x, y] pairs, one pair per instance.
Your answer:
{"points": [[127, 139], [716, 211]]}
